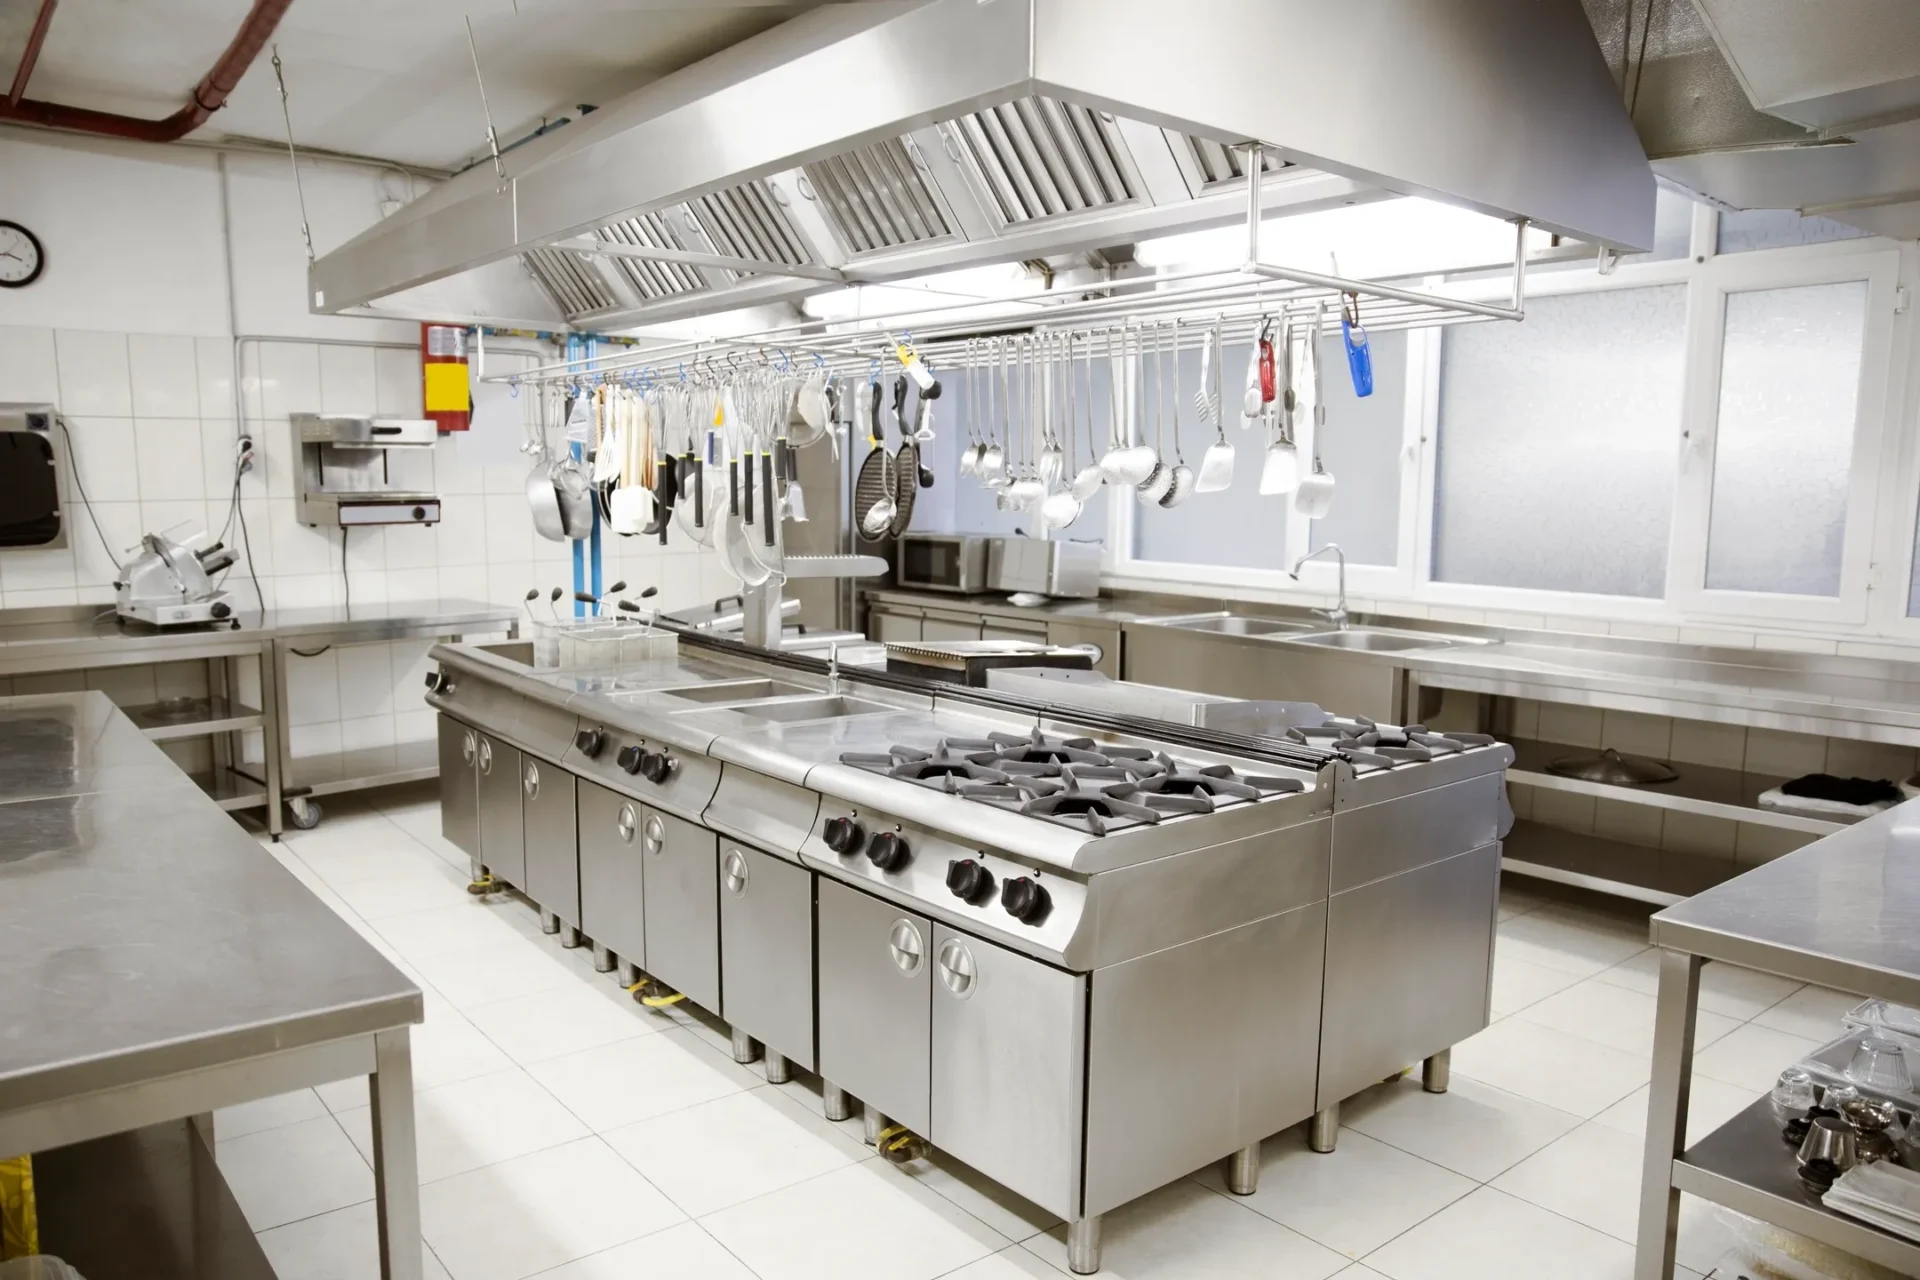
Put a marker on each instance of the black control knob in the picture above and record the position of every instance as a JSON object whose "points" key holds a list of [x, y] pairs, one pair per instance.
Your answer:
{"points": [[590, 742], [656, 766], [629, 758], [1025, 900], [969, 881], [889, 852], [220, 609], [844, 835], [438, 682], [419, 513]]}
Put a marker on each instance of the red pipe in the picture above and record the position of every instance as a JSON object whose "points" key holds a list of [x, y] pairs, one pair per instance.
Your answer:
{"points": [[208, 96], [35, 38]]}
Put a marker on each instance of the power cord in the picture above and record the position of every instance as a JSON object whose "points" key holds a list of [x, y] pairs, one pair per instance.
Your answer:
{"points": [[73, 465]]}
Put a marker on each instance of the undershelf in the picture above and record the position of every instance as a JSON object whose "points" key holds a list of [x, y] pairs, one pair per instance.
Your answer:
{"points": [[336, 771], [1660, 876], [193, 717], [1701, 789], [231, 789]]}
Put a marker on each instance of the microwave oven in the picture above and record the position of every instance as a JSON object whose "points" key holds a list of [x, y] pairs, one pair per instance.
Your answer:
{"points": [[33, 456], [954, 562]]}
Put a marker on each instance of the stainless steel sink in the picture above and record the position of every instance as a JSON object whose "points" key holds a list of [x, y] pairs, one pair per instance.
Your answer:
{"points": [[733, 691], [792, 710], [1235, 626], [1377, 640]]}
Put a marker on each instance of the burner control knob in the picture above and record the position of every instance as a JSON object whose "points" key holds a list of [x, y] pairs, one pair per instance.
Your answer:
{"points": [[1025, 900], [969, 881], [439, 682], [889, 852], [844, 835], [590, 742], [629, 758], [656, 766]]}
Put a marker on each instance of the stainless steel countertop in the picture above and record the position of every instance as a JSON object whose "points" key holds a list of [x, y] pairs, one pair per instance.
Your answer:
{"points": [[66, 638], [1844, 912], [142, 933]]}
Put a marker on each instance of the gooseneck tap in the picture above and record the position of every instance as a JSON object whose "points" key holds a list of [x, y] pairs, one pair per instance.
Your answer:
{"points": [[1338, 614]]}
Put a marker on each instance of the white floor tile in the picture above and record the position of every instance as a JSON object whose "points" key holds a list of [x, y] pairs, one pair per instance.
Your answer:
{"points": [[412, 887], [266, 1113], [1561, 1070], [1592, 1176], [633, 1080], [685, 1252], [434, 931], [1711, 1104], [1185, 1230], [1572, 945], [856, 1222], [476, 1123], [1491, 1234], [1813, 1012], [532, 1213], [494, 971], [1752, 1057], [1353, 1199], [1472, 1129], [1518, 983], [293, 1172], [719, 1153], [1725, 989], [1012, 1215], [1617, 1017], [1011, 1263], [342, 1245], [552, 1024], [446, 1050]]}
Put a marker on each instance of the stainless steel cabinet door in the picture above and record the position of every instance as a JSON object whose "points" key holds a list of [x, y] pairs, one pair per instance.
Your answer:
{"points": [[503, 845], [553, 845], [682, 906], [612, 896], [1008, 1067], [459, 785], [766, 950], [875, 970], [945, 629]]}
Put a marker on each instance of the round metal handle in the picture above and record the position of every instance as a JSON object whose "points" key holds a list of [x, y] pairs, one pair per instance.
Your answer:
{"points": [[956, 967], [530, 780], [733, 868], [486, 756], [626, 823], [904, 945], [654, 834], [468, 747]]}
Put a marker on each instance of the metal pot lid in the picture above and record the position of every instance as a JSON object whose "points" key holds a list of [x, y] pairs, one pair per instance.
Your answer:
{"points": [[1614, 769]]}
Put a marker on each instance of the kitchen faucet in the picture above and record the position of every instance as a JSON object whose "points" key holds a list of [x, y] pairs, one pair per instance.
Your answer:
{"points": [[1338, 614]]}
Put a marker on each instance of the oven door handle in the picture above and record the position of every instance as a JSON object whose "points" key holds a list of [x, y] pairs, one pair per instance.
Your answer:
{"points": [[733, 872], [957, 972], [904, 945]]}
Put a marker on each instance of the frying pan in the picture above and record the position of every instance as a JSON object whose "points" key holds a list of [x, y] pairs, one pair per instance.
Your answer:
{"points": [[906, 483]]}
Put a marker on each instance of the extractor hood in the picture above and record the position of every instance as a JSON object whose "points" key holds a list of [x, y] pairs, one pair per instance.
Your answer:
{"points": [[870, 142]]}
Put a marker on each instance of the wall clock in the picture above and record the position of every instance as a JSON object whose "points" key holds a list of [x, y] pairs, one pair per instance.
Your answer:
{"points": [[21, 257]]}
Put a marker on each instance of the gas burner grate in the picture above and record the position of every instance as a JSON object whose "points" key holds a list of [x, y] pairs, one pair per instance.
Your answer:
{"points": [[1377, 745], [1096, 811]]}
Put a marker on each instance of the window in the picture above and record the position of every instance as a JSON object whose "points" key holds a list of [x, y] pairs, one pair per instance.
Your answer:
{"points": [[1783, 443], [1362, 450], [1558, 444], [1742, 229]]}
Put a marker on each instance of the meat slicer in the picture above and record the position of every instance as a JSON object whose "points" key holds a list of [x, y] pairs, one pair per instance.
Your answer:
{"points": [[170, 584]]}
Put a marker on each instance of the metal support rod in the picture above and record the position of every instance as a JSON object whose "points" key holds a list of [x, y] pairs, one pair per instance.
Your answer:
{"points": [[871, 1123], [1437, 1072], [293, 157], [549, 922], [493, 139], [779, 1070], [602, 959], [1325, 1131], [396, 1168], [1252, 158], [569, 936], [1083, 1246], [629, 974], [1243, 1170], [1667, 1099], [745, 1047], [834, 1103], [35, 38], [1519, 267]]}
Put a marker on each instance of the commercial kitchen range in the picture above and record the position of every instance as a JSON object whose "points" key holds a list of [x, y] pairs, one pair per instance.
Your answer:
{"points": [[1084, 953]]}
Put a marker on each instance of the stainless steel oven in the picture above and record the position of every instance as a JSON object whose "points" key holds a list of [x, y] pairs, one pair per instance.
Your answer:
{"points": [[954, 562]]}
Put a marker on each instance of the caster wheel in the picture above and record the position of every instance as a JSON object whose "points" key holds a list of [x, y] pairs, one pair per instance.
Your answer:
{"points": [[304, 814]]}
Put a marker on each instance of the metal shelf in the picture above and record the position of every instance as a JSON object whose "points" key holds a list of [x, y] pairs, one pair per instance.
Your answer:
{"points": [[1701, 789], [193, 717], [1659, 876], [337, 771], [1746, 1167], [232, 789]]}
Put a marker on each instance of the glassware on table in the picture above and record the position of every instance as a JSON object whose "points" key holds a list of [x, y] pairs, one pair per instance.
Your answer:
{"points": [[1793, 1094], [1837, 1096], [1880, 1064]]}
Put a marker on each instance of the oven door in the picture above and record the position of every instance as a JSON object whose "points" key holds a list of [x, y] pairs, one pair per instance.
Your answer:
{"points": [[30, 488]]}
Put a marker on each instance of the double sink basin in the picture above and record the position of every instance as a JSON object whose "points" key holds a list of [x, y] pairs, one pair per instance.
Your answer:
{"points": [[771, 701], [1354, 640]]}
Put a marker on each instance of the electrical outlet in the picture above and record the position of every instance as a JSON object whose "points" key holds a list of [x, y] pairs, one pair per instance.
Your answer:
{"points": [[243, 454]]}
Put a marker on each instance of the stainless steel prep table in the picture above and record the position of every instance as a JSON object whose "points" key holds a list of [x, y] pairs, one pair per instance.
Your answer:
{"points": [[1843, 912], [86, 636], [159, 964]]}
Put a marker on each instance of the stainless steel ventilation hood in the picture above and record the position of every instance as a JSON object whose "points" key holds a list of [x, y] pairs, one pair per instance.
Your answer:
{"points": [[877, 141]]}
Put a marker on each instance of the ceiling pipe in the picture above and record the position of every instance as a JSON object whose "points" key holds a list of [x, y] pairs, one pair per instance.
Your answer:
{"points": [[208, 96], [35, 38]]}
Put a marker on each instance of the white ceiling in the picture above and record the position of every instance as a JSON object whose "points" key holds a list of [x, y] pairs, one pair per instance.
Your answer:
{"points": [[385, 78]]}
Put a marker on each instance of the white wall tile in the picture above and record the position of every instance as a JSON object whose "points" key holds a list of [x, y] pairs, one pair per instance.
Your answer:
{"points": [[416, 726], [1636, 734], [170, 460], [466, 582], [1782, 643], [1784, 755], [29, 370], [43, 598], [38, 569], [509, 583], [94, 379], [1724, 746], [346, 380], [1755, 844], [165, 374], [1563, 809], [1563, 722], [127, 686], [289, 379], [95, 563], [1642, 631], [104, 458], [366, 550], [461, 536], [1887, 650], [179, 680], [366, 680], [314, 739], [410, 666], [182, 519], [1720, 637], [213, 367], [509, 529], [219, 443], [1632, 823], [370, 731], [411, 546], [313, 688], [305, 590], [1847, 758], [412, 584], [396, 387], [298, 548]]}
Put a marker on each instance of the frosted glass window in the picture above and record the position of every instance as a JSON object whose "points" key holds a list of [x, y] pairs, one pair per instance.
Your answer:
{"points": [[1742, 229], [1559, 444], [1362, 451], [1789, 387]]}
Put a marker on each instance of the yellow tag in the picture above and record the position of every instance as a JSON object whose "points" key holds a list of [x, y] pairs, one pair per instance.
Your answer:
{"points": [[446, 388], [906, 354], [718, 412], [19, 1220]]}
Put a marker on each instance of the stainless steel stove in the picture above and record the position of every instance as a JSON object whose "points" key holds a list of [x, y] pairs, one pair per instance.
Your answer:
{"points": [[1004, 930]]}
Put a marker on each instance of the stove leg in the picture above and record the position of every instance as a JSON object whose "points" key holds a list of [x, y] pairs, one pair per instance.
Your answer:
{"points": [[1437, 1072], [570, 936], [479, 872], [871, 1124], [602, 959], [779, 1071], [1326, 1128], [629, 974], [1083, 1246], [1243, 1170], [549, 922], [834, 1101], [745, 1048]]}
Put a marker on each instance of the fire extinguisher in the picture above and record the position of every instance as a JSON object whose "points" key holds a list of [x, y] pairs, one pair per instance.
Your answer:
{"points": [[443, 369]]}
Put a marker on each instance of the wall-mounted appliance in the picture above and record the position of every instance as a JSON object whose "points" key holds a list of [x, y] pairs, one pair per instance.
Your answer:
{"points": [[33, 463], [344, 475]]}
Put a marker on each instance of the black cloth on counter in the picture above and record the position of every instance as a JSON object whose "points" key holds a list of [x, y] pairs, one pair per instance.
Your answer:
{"points": [[1825, 786]]}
